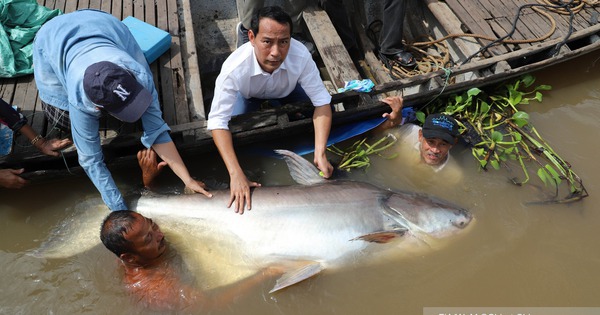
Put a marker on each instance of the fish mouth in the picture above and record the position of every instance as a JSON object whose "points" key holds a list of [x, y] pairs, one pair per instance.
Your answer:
{"points": [[464, 219]]}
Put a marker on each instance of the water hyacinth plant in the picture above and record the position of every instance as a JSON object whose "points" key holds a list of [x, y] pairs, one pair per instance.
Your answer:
{"points": [[357, 155], [499, 131]]}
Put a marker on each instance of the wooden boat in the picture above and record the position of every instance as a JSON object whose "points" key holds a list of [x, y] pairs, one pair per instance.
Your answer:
{"points": [[529, 36]]}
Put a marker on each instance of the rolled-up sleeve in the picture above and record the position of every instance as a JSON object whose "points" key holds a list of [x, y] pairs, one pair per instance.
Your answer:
{"points": [[156, 130]]}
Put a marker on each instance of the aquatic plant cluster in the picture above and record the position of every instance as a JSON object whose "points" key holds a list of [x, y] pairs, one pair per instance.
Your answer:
{"points": [[357, 155], [499, 131]]}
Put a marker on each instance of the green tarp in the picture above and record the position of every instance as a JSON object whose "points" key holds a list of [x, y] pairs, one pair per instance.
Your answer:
{"points": [[19, 21]]}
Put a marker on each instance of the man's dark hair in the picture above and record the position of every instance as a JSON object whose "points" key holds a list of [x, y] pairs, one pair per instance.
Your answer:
{"points": [[113, 228], [272, 12]]}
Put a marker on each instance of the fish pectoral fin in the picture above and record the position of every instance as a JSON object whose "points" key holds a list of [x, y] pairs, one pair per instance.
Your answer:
{"points": [[292, 277], [381, 237]]}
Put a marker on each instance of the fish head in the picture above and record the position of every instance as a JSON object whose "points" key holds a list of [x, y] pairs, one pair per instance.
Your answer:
{"points": [[421, 213]]}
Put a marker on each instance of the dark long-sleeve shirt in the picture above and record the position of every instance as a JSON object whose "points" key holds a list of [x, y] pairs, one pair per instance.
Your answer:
{"points": [[10, 117]]}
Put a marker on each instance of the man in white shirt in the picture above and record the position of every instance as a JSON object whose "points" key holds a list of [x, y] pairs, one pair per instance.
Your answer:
{"points": [[272, 66]]}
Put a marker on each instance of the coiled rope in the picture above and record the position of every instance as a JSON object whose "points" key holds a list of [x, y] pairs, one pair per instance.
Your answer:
{"points": [[433, 55]]}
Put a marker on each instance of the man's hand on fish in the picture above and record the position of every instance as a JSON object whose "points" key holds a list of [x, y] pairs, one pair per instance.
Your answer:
{"points": [[198, 187], [323, 165], [151, 168], [240, 193]]}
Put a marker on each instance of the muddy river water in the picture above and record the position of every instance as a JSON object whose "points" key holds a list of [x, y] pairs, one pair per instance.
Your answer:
{"points": [[514, 255]]}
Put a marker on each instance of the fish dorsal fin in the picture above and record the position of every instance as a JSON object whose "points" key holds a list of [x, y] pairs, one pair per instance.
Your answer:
{"points": [[302, 171], [298, 275]]}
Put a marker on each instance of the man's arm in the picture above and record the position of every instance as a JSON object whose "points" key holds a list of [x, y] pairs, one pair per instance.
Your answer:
{"points": [[49, 147], [395, 117], [168, 153], [239, 184], [322, 125]]}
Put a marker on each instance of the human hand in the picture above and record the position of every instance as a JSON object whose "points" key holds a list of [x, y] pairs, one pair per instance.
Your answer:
{"points": [[199, 187], [52, 147], [10, 178], [323, 165], [240, 193], [149, 165], [395, 103]]}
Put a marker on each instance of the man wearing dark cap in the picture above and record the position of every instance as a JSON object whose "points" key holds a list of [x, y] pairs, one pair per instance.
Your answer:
{"points": [[87, 62], [433, 141]]}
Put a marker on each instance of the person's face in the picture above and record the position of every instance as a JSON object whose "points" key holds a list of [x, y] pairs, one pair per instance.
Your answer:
{"points": [[148, 242], [433, 150], [271, 44]]}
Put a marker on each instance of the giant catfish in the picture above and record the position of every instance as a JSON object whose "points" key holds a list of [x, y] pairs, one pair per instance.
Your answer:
{"points": [[327, 224]]}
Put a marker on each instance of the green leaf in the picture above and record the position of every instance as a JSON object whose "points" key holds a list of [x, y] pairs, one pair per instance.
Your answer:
{"points": [[555, 175], [515, 98], [485, 107], [543, 175], [420, 116], [538, 96], [517, 136], [520, 118], [528, 80], [495, 164], [473, 92], [497, 136], [479, 151], [544, 88]]}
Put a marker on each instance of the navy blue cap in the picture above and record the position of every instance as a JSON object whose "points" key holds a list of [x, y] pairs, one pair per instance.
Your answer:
{"points": [[114, 89], [440, 126]]}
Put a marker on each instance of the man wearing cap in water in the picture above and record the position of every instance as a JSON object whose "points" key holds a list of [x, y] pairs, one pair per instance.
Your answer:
{"points": [[87, 62], [433, 141]]}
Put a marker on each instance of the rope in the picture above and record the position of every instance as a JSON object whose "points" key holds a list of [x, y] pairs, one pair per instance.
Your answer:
{"points": [[426, 62]]}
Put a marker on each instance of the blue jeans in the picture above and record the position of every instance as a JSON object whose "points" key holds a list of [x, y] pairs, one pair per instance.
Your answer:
{"points": [[243, 105]]}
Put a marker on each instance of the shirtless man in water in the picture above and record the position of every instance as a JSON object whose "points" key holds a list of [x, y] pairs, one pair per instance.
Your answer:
{"points": [[151, 274]]}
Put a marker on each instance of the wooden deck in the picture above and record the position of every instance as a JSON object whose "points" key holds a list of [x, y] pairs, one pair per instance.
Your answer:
{"points": [[178, 76], [172, 71]]}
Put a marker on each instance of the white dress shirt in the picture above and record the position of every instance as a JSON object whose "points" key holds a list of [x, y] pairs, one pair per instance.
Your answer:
{"points": [[241, 74]]}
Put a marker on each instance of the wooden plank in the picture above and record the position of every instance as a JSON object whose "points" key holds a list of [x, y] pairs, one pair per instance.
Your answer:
{"points": [[7, 89], [538, 24], [190, 60], [47, 3], [117, 9], [330, 46], [166, 75], [95, 4], [476, 23], [452, 25], [83, 4], [70, 6], [181, 105], [106, 5], [127, 8]]}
